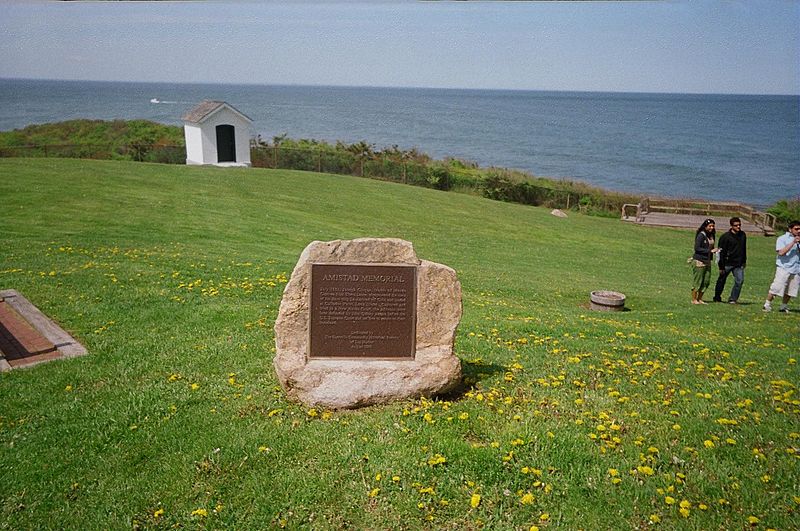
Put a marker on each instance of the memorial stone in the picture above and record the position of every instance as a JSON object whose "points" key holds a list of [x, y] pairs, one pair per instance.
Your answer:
{"points": [[366, 322]]}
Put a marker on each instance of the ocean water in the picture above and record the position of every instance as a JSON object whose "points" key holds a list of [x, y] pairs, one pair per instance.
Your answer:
{"points": [[720, 147]]}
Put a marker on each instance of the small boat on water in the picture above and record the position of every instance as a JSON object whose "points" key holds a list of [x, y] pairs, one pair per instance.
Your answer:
{"points": [[154, 100]]}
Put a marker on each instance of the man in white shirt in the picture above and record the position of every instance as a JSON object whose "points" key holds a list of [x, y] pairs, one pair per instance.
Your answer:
{"points": [[787, 273]]}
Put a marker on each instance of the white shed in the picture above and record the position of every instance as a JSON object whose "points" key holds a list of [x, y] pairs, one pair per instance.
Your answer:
{"points": [[217, 134]]}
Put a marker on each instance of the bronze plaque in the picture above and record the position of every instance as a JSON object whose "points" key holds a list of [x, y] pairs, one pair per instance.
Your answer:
{"points": [[363, 311]]}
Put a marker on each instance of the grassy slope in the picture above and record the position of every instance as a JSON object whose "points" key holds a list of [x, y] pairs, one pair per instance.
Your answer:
{"points": [[114, 251]]}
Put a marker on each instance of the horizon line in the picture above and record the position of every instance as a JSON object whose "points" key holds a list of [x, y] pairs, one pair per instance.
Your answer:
{"points": [[402, 87]]}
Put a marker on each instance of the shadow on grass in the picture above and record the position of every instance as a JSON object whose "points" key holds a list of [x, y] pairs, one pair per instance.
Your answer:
{"points": [[471, 374], [588, 307]]}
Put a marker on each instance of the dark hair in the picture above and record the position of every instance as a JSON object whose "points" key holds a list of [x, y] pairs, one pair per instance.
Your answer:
{"points": [[735, 220], [705, 224], [794, 223]]}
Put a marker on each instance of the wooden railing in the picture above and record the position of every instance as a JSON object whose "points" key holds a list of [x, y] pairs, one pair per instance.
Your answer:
{"points": [[763, 220]]}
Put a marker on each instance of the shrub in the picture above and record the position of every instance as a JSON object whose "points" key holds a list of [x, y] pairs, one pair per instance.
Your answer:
{"points": [[785, 210], [140, 140], [505, 188], [439, 178]]}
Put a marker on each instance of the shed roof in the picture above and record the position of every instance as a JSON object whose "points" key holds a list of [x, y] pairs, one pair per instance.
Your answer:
{"points": [[206, 108]]}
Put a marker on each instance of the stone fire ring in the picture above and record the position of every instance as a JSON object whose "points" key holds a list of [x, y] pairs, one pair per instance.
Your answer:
{"points": [[609, 301], [353, 383]]}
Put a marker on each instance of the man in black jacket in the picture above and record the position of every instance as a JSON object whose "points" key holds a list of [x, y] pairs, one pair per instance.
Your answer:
{"points": [[732, 259]]}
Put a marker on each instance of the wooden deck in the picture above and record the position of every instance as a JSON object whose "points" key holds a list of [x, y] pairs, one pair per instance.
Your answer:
{"points": [[688, 214], [690, 221]]}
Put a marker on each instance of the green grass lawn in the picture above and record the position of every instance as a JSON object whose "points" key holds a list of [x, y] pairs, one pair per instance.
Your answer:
{"points": [[666, 416]]}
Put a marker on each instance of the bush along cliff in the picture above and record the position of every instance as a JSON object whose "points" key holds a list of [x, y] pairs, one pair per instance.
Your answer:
{"points": [[140, 140]]}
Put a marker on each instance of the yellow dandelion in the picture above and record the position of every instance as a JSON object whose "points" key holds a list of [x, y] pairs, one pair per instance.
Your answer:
{"points": [[654, 519], [374, 492], [195, 386], [708, 444], [475, 500], [544, 517], [158, 514], [437, 459], [669, 500], [753, 520], [202, 513], [68, 388], [527, 499], [684, 512], [645, 470]]}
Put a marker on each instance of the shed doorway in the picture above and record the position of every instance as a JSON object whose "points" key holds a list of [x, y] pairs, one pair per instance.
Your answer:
{"points": [[226, 143]]}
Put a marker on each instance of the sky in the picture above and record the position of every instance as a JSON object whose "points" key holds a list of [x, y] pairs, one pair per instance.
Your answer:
{"points": [[698, 46]]}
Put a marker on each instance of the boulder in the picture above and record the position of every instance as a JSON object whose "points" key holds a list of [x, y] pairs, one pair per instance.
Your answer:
{"points": [[350, 383]]}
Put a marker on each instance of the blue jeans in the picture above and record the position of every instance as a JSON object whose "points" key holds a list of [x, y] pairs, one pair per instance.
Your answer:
{"points": [[738, 280]]}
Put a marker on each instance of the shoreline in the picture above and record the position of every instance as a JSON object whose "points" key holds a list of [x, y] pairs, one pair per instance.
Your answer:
{"points": [[467, 169], [740, 148]]}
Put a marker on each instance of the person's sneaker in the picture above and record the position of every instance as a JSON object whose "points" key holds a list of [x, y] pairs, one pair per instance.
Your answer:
{"points": [[716, 299], [767, 307], [784, 308], [732, 302]]}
